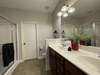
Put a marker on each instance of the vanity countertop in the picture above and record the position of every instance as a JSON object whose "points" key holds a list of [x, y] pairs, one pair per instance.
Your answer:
{"points": [[86, 61]]}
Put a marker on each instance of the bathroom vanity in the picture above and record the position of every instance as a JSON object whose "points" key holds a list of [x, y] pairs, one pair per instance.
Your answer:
{"points": [[63, 62], [61, 66]]}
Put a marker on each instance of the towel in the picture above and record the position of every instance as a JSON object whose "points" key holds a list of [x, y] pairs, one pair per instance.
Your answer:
{"points": [[8, 53]]}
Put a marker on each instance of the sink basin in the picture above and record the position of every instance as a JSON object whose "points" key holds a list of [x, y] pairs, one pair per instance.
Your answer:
{"points": [[90, 60]]}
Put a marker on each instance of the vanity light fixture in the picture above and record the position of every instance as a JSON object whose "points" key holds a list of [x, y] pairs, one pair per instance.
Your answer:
{"points": [[65, 15], [71, 10], [64, 8], [59, 14]]}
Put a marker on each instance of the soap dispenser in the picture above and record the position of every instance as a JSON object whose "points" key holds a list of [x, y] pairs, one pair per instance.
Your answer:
{"points": [[69, 49]]}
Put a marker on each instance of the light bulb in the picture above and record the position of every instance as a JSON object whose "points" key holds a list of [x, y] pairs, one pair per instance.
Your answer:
{"points": [[65, 15], [59, 14], [71, 10], [64, 8]]}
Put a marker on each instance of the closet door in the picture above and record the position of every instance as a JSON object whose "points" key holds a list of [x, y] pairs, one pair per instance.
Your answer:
{"points": [[28, 41]]}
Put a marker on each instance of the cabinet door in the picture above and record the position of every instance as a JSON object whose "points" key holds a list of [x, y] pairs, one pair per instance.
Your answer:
{"points": [[70, 69], [59, 69], [67, 72], [52, 61], [59, 64], [59, 59]]}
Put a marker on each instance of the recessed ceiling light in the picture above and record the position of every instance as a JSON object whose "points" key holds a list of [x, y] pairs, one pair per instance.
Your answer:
{"points": [[65, 15], [59, 14], [71, 10], [64, 8]]}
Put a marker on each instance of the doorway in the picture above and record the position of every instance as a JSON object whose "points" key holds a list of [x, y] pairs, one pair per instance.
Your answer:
{"points": [[29, 35]]}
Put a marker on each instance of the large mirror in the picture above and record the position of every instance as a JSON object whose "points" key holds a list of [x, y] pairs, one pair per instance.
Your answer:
{"points": [[85, 20], [8, 44]]}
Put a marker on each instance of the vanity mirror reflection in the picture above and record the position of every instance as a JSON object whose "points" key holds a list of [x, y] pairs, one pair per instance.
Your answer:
{"points": [[85, 20]]}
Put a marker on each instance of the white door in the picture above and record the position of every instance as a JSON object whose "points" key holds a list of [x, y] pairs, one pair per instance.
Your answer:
{"points": [[29, 41]]}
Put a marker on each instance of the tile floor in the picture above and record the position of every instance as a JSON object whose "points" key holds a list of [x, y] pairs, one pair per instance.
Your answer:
{"points": [[31, 67]]}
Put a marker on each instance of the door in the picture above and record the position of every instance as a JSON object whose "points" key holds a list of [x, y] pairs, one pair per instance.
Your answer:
{"points": [[28, 41]]}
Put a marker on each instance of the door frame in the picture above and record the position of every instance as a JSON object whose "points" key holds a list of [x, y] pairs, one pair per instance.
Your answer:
{"points": [[22, 24]]}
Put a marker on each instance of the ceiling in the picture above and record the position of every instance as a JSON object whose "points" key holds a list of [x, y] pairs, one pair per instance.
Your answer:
{"points": [[45, 6], [85, 8]]}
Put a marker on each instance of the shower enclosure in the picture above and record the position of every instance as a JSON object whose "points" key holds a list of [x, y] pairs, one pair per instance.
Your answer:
{"points": [[8, 36]]}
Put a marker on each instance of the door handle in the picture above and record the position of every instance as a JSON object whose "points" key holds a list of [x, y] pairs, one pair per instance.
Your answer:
{"points": [[24, 43]]}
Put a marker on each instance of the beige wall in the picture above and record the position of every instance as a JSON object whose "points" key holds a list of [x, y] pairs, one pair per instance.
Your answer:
{"points": [[19, 16]]}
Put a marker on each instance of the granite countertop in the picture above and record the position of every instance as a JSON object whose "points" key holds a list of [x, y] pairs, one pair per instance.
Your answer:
{"points": [[86, 61]]}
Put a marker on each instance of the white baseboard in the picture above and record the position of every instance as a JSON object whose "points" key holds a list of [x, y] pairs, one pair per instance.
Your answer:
{"points": [[12, 68], [20, 61]]}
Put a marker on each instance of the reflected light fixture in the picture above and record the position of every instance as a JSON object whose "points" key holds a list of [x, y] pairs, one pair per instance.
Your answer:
{"points": [[59, 14], [65, 11], [71, 10], [64, 8], [65, 15]]}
